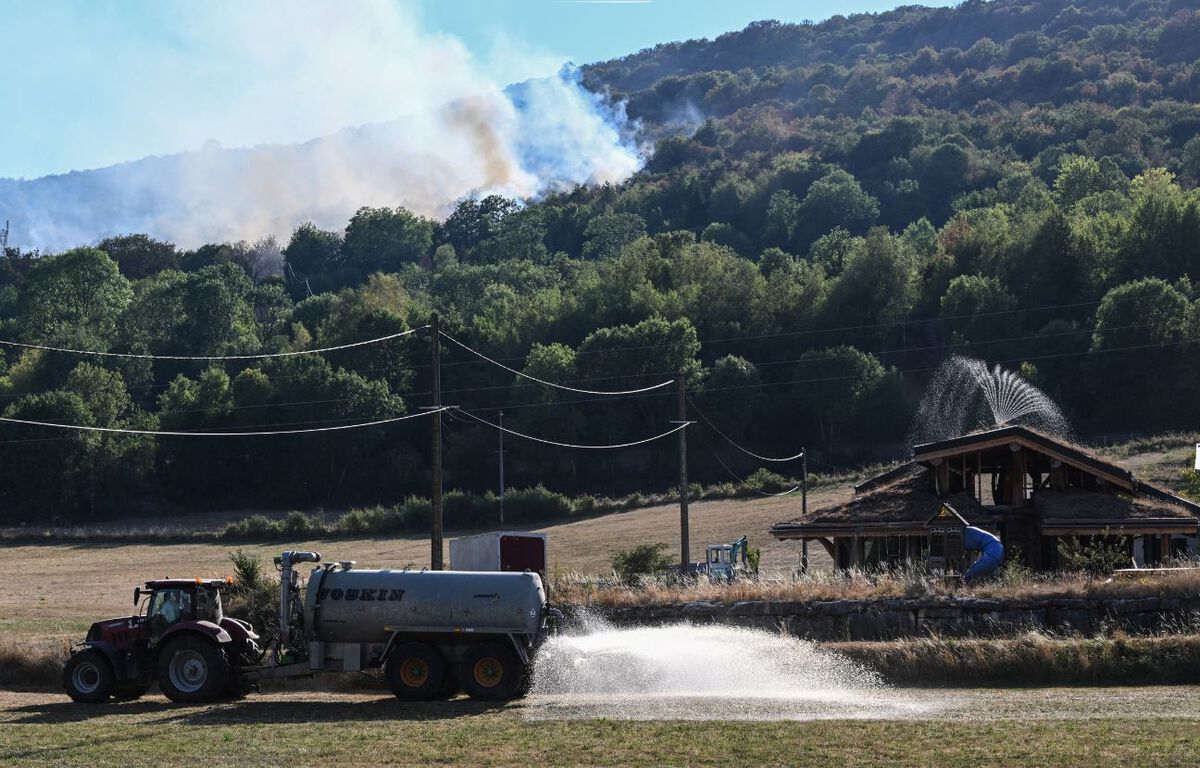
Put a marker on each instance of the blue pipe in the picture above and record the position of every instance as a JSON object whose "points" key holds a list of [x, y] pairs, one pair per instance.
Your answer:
{"points": [[991, 552]]}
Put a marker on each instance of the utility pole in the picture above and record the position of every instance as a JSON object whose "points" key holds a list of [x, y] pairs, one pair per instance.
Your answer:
{"points": [[501, 452], [435, 495], [804, 508], [685, 557]]}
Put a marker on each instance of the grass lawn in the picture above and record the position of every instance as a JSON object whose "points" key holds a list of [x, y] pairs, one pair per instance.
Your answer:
{"points": [[1048, 727]]}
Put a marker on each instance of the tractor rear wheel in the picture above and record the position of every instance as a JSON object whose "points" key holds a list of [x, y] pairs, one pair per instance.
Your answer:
{"points": [[491, 672], [415, 671], [88, 677], [192, 670]]}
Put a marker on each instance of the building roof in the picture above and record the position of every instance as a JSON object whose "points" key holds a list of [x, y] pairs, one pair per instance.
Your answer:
{"points": [[1054, 447], [1077, 508], [902, 498], [904, 504]]}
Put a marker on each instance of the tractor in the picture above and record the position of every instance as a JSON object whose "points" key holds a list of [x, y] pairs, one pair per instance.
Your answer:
{"points": [[728, 562], [180, 640]]}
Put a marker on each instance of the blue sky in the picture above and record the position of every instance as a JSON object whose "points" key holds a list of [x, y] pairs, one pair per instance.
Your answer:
{"points": [[90, 83]]}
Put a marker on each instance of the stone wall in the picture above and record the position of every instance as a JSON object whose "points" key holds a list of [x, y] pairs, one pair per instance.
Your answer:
{"points": [[844, 620]]}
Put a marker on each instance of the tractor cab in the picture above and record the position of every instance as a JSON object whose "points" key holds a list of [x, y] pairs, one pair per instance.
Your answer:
{"points": [[726, 562], [177, 600]]}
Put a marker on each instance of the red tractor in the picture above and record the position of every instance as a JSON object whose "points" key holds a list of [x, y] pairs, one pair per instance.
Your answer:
{"points": [[182, 641]]}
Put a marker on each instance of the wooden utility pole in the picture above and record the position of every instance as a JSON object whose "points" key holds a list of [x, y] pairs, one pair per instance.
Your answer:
{"points": [[804, 507], [435, 494], [685, 557], [501, 452]]}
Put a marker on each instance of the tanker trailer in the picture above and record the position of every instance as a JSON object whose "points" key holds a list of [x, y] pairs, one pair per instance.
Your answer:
{"points": [[432, 632]]}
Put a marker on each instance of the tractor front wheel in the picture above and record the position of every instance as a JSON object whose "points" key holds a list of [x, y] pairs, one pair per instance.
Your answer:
{"points": [[88, 677], [192, 670]]}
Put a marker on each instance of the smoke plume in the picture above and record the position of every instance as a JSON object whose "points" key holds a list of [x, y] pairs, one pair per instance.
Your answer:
{"points": [[451, 132]]}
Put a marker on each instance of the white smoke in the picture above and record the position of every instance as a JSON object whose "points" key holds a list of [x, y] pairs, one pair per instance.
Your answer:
{"points": [[432, 128]]}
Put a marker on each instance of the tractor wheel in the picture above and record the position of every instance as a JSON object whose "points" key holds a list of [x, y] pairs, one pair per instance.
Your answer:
{"points": [[192, 670], [415, 672], [129, 691], [491, 672], [88, 677]]}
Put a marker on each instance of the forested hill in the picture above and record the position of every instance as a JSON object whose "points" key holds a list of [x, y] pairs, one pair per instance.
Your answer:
{"points": [[827, 212]]}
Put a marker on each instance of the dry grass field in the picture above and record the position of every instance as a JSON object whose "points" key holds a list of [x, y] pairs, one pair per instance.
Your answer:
{"points": [[1093, 727], [53, 590]]}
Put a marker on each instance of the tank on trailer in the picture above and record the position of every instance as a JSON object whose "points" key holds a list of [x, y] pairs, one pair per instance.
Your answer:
{"points": [[370, 606]]}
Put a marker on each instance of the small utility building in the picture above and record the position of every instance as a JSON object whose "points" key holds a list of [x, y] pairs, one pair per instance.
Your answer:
{"points": [[1028, 488]]}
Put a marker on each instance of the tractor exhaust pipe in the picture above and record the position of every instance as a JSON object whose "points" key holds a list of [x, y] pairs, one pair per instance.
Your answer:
{"points": [[288, 582]]}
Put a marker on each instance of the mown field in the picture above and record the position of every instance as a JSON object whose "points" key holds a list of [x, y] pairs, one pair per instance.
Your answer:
{"points": [[57, 589], [1056, 727]]}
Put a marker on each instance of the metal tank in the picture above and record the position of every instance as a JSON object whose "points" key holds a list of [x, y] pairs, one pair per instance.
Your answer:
{"points": [[347, 605]]}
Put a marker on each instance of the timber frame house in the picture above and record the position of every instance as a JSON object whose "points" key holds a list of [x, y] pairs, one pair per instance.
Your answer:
{"points": [[1029, 488]]}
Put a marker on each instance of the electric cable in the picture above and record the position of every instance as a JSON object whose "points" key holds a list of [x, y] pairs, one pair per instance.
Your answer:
{"points": [[258, 356], [498, 364], [514, 433], [746, 451], [257, 433]]}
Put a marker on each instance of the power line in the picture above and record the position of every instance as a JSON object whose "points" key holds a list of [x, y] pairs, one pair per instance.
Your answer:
{"points": [[263, 433], [482, 356], [258, 356], [746, 451], [514, 433], [742, 480]]}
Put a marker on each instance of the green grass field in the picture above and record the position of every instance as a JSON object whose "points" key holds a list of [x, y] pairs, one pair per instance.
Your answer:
{"points": [[1044, 727]]}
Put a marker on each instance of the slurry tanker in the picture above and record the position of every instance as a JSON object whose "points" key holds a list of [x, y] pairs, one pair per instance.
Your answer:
{"points": [[432, 632]]}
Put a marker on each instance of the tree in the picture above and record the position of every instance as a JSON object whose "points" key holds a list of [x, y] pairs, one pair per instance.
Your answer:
{"points": [[973, 303], [140, 256], [473, 222], [312, 251], [834, 384], [1135, 369], [385, 239], [878, 284], [608, 233], [74, 300], [835, 199]]}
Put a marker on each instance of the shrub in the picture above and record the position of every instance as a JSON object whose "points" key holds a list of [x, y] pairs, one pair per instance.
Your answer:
{"points": [[643, 560], [299, 525], [536, 503], [255, 527], [254, 596], [1096, 556]]}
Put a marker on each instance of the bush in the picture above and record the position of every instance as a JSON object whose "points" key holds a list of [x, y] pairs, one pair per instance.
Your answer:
{"points": [[255, 527], [254, 596], [536, 503], [643, 560], [1097, 556]]}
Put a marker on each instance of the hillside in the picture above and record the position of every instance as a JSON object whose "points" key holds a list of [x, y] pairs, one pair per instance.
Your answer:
{"points": [[826, 212]]}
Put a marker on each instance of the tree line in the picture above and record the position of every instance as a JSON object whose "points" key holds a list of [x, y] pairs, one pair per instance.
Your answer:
{"points": [[864, 197]]}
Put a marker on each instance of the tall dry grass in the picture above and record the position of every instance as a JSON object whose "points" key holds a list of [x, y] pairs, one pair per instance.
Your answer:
{"points": [[30, 663], [612, 592], [1033, 658]]}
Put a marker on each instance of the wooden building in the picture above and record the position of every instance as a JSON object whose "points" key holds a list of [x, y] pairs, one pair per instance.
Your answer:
{"points": [[1030, 489]]}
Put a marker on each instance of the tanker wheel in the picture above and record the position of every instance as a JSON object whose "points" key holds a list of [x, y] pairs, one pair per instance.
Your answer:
{"points": [[415, 672], [129, 691], [491, 672], [88, 677], [192, 670]]}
